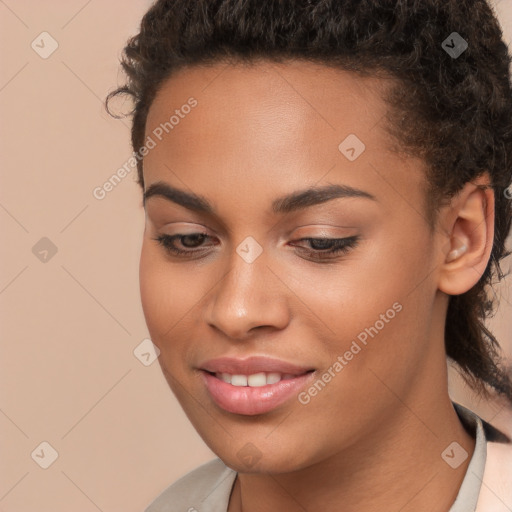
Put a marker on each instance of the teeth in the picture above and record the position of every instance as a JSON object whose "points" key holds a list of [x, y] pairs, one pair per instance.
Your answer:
{"points": [[272, 378], [255, 380], [239, 380]]}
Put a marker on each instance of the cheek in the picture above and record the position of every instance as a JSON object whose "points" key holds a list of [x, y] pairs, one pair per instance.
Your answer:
{"points": [[347, 298], [380, 300], [170, 296], [164, 296], [151, 281]]}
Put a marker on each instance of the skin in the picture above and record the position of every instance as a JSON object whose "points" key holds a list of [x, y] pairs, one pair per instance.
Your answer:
{"points": [[372, 438]]}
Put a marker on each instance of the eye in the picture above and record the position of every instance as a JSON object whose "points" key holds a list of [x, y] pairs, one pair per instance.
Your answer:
{"points": [[329, 248], [321, 248], [191, 240]]}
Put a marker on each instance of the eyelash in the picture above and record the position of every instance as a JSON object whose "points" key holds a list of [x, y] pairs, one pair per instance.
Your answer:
{"points": [[339, 245]]}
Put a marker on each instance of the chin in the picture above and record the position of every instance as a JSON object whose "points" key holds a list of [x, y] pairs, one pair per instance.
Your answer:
{"points": [[245, 457], [265, 465]]}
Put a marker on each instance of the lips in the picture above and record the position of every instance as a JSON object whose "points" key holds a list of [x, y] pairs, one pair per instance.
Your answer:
{"points": [[255, 385], [252, 365]]}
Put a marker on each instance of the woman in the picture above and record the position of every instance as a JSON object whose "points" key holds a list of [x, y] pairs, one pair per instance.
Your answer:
{"points": [[325, 189]]}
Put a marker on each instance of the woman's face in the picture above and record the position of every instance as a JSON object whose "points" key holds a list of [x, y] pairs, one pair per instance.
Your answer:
{"points": [[367, 320]]}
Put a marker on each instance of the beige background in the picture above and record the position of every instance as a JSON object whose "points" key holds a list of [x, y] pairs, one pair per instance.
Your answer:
{"points": [[70, 325]]}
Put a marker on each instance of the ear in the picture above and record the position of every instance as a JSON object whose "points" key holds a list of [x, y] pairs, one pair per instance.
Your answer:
{"points": [[469, 229]]}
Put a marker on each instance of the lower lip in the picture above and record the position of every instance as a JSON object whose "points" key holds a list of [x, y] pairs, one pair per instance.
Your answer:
{"points": [[250, 401]]}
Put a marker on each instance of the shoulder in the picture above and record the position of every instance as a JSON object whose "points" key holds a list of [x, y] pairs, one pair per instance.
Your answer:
{"points": [[205, 488], [490, 468], [496, 489]]}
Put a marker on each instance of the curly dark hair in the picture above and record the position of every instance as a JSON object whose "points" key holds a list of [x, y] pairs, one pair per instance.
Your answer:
{"points": [[453, 111]]}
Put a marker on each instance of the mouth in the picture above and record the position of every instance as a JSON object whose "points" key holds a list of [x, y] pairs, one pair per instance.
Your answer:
{"points": [[256, 393]]}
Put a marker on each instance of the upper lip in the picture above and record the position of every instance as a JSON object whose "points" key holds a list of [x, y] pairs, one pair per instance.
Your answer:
{"points": [[251, 365]]}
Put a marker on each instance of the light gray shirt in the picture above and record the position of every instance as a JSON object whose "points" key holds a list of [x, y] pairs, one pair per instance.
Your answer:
{"points": [[208, 487]]}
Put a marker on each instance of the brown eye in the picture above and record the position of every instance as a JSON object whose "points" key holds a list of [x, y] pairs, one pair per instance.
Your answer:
{"points": [[190, 241], [325, 248]]}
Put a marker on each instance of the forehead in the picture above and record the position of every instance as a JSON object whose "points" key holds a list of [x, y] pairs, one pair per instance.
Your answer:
{"points": [[263, 125], [260, 94]]}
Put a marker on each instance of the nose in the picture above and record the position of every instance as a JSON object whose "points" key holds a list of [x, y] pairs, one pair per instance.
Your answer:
{"points": [[250, 296]]}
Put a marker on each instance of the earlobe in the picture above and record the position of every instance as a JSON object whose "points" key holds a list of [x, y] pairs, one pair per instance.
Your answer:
{"points": [[471, 236]]}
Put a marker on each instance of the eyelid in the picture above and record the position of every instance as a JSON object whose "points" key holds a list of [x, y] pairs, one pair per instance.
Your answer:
{"points": [[183, 229], [322, 231]]}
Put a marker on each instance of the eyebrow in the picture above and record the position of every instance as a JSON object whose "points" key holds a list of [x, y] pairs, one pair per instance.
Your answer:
{"points": [[298, 200]]}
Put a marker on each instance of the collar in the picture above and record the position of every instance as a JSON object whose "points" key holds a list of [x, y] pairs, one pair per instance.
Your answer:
{"points": [[469, 491]]}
